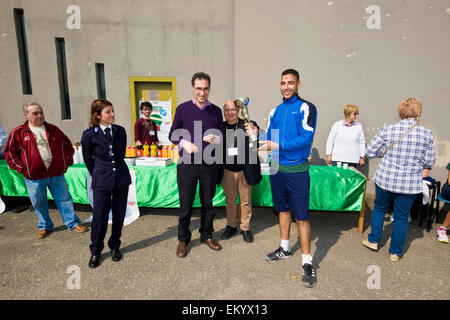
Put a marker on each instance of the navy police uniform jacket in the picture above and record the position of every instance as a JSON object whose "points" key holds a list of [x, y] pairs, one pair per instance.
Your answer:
{"points": [[105, 160]]}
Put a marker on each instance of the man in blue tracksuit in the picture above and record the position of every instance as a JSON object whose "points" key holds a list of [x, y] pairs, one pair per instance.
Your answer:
{"points": [[290, 135]]}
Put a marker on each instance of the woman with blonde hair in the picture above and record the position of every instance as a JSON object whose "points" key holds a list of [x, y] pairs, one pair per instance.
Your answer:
{"points": [[346, 142], [406, 149]]}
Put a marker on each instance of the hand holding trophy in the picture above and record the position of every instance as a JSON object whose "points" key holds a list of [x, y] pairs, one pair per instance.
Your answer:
{"points": [[241, 105]]}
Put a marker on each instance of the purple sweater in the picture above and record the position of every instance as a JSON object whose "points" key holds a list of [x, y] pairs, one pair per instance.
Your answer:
{"points": [[208, 117]]}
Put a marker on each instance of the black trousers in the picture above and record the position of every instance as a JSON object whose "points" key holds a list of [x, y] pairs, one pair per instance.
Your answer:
{"points": [[188, 176], [103, 201]]}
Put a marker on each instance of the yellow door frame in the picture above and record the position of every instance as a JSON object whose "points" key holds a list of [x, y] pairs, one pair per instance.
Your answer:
{"points": [[133, 104]]}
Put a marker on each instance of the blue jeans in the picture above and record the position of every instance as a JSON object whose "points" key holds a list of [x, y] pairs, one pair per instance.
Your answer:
{"points": [[402, 206], [37, 190]]}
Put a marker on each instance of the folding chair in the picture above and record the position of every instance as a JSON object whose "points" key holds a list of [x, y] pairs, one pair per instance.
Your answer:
{"points": [[431, 209]]}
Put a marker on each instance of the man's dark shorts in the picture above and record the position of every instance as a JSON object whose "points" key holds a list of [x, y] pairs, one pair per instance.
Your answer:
{"points": [[290, 192]]}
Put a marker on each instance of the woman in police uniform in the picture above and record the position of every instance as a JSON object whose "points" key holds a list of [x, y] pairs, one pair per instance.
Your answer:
{"points": [[104, 145]]}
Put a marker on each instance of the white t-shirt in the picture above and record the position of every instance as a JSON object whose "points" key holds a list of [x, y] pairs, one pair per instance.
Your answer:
{"points": [[346, 143], [42, 144]]}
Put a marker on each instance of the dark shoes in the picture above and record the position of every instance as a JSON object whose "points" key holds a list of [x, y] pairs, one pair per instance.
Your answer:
{"points": [[309, 277], [247, 235], [228, 233], [182, 249], [278, 255], [212, 244], [94, 261], [116, 255]]}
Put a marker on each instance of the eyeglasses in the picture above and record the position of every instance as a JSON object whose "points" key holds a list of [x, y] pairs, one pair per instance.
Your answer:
{"points": [[201, 89]]}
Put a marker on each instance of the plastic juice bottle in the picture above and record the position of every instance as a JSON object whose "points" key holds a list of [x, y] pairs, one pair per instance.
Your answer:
{"points": [[146, 150], [153, 150], [164, 152], [176, 156], [139, 149], [170, 152]]}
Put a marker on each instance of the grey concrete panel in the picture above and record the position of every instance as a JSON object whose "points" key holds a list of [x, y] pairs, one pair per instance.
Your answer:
{"points": [[244, 46]]}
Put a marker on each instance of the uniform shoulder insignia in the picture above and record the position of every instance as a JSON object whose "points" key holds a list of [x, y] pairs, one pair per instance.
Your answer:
{"points": [[88, 129]]}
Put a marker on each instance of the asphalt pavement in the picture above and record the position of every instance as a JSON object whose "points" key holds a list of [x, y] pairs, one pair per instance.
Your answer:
{"points": [[57, 267]]}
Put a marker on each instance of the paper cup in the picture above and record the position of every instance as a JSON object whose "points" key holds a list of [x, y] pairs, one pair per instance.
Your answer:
{"points": [[345, 165], [339, 164]]}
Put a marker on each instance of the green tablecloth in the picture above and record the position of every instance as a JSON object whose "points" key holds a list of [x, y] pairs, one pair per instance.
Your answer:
{"points": [[332, 188]]}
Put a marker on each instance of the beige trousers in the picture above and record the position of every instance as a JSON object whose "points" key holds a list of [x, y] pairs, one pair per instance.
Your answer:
{"points": [[234, 183]]}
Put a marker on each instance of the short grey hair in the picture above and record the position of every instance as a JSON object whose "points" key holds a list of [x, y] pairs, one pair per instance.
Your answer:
{"points": [[25, 106]]}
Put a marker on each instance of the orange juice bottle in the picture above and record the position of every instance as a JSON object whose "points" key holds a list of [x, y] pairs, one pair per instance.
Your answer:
{"points": [[176, 156], [153, 150], [146, 150]]}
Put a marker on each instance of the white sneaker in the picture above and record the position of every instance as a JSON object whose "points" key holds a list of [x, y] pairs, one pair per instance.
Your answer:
{"points": [[394, 257], [442, 235], [370, 245]]}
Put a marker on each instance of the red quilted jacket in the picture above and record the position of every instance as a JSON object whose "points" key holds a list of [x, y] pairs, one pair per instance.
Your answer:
{"points": [[22, 154]]}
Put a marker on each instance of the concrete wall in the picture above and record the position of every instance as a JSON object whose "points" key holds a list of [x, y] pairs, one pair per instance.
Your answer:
{"points": [[159, 38], [244, 46], [342, 62]]}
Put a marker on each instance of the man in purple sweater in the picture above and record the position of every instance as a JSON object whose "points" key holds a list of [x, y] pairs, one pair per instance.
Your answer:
{"points": [[197, 129]]}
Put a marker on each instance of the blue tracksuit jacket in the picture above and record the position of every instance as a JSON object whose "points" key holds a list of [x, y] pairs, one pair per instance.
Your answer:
{"points": [[292, 125]]}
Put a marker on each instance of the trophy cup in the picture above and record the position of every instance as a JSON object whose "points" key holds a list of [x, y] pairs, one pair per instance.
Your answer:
{"points": [[241, 105]]}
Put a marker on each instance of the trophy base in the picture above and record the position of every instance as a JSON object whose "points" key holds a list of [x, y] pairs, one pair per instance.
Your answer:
{"points": [[253, 144]]}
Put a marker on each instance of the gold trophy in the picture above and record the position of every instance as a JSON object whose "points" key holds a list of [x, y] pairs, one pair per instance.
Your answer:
{"points": [[241, 105]]}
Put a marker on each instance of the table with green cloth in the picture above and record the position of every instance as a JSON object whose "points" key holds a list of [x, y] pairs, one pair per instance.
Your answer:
{"points": [[332, 188]]}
